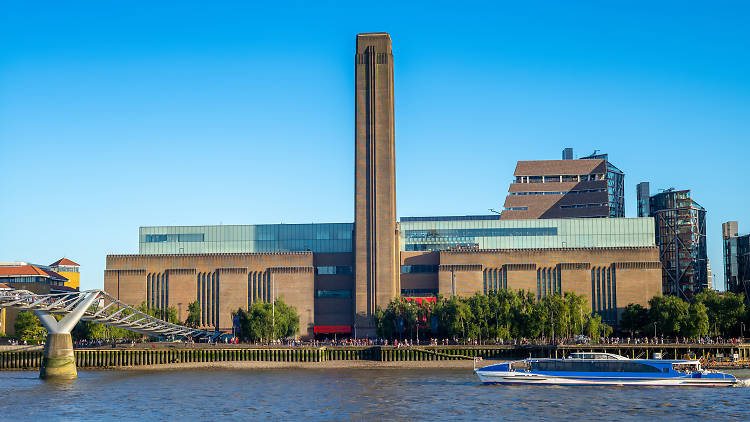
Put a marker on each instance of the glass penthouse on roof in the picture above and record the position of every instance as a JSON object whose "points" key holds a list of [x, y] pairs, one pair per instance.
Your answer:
{"points": [[489, 232], [417, 234]]}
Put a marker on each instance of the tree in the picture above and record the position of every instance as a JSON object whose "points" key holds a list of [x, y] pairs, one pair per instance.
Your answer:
{"points": [[697, 322], [194, 315], [260, 324], [670, 313], [575, 305], [29, 328], [725, 311], [634, 319], [594, 328]]}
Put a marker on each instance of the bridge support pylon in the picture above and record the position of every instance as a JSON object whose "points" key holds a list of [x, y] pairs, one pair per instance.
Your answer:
{"points": [[59, 360]]}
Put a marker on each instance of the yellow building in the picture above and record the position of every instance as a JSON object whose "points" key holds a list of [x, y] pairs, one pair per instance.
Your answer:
{"points": [[69, 270]]}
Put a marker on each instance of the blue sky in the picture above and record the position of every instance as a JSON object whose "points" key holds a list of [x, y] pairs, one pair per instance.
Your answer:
{"points": [[115, 115]]}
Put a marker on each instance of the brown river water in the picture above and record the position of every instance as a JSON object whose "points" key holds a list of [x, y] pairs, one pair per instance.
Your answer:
{"points": [[346, 394]]}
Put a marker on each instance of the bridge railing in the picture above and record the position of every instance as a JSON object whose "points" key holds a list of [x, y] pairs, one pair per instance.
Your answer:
{"points": [[108, 310]]}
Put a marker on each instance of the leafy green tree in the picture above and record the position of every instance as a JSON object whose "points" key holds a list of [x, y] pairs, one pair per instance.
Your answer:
{"points": [[261, 323], [670, 314], [575, 305], [634, 319], [29, 328], [697, 321], [194, 315], [594, 328], [725, 311]]}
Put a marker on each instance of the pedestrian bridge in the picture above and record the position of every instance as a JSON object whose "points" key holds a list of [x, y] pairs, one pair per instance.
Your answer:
{"points": [[90, 305]]}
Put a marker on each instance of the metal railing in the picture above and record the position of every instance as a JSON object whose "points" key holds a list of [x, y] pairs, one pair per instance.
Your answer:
{"points": [[107, 310]]}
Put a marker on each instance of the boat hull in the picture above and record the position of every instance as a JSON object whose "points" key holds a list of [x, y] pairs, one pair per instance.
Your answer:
{"points": [[520, 378]]}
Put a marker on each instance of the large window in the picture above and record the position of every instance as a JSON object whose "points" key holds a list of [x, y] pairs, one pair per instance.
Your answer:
{"points": [[333, 269], [409, 269], [190, 237], [419, 292], [587, 366], [185, 237], [336, 294], [438, 234]]}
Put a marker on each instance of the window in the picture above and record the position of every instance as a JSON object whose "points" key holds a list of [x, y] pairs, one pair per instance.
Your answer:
{"points": [[410, 269], [156, 238], [337, 294], [584, 366], [419, 292], [331, 269], [516, 208], [190, 237], [460, 235]]}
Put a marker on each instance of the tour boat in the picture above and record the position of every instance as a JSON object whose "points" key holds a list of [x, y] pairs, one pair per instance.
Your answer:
{"points": [[603, 369]]}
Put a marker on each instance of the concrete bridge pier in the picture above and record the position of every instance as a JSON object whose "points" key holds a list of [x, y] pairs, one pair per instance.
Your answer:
{"points": [[58, 360]]}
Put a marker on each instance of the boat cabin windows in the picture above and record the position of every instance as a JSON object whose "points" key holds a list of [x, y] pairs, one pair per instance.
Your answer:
{"points": [[603, 365], [580, 355], [686, 367]]}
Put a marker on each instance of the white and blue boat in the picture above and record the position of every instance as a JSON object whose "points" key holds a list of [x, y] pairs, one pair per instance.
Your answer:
{"points": [[603, 369]]}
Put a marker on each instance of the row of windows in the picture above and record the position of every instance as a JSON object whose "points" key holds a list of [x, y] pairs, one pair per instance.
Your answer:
{"points": [[259, 287], [186, 237], [333, 269], [208, 297], [337, 294], [483, 232], [558, 193], [583, 366], [439, 246], [453, 218], [495, 279], [548, 282], [157, 291], [583, 205], [411, 269], [45, 280], [604, 293], [516, 208], [560, 178]]}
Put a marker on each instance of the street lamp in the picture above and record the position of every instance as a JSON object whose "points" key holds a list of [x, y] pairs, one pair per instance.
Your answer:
{"points": [[273, 306], [742, 331]]}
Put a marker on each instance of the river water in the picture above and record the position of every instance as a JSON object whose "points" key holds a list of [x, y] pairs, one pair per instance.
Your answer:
{"points": [[345, 394]]}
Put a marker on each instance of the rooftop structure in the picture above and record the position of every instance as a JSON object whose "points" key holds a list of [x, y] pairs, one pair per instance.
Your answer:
{"points": [[490, 232], [588, 187], [29, 273]]}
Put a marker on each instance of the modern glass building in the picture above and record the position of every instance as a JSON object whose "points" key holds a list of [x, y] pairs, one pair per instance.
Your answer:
{"points": [[490, 232], [736, 259]]}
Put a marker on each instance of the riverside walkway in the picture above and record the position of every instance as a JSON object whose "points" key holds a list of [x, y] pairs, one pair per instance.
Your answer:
{"points": [[178, 353]]}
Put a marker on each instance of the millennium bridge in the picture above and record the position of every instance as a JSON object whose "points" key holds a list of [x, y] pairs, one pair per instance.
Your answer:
{"points": [[98, 306]]}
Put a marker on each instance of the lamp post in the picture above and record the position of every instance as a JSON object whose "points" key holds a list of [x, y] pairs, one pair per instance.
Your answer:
{"points": [[742, 331], [453, 283]]}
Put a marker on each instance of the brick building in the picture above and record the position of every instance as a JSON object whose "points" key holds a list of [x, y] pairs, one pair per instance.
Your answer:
{"points": [[337, 274]]}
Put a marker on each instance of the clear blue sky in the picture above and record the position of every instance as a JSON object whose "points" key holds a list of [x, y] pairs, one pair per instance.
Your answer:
{"points": [[115, 115]]}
